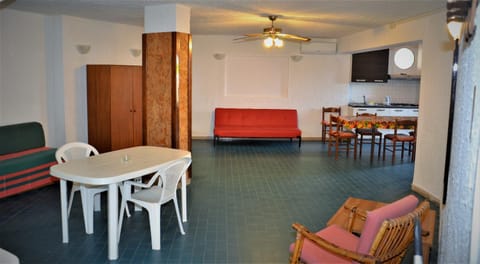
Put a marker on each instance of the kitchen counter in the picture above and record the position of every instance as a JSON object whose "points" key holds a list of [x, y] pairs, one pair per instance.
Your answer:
{"points": [[379, 105]]}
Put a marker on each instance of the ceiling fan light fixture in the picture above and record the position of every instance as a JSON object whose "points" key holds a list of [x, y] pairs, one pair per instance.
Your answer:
{"points": [[278, 42], [268, 42]]}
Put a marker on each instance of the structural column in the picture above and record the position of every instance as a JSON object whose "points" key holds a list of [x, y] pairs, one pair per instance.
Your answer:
{"points": [[167, 77]]}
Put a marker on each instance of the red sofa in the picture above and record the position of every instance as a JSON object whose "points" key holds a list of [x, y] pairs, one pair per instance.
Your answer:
{"points": [[256, 123]]}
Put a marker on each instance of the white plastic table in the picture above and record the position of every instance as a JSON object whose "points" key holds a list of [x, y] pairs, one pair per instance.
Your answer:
{"points": [[109, 169]]}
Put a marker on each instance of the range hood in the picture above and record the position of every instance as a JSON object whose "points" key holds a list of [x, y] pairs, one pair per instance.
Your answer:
{"points": [[405, 62]]}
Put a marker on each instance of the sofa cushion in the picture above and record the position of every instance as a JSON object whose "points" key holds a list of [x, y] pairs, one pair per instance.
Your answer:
{"points": [[249, 117], [27, 161], [25, 172], [281, 132], [19, 137]]}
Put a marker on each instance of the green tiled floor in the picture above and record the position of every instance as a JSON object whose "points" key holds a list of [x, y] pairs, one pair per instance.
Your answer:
{"points": [[242, 200]]}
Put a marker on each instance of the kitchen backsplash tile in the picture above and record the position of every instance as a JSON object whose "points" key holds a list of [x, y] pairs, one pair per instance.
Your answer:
{"points": [[401, 91]]}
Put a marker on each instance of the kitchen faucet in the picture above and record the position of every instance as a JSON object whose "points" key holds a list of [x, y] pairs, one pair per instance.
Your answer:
{"points": [[388, 100]]}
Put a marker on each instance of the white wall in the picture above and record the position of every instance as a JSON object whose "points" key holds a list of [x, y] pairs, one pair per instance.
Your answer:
{"points": [[23, 81], [434, 90], [43, 75], [110, 44], [313, 82]]}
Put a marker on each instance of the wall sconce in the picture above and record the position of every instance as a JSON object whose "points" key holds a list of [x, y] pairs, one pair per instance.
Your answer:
{"points": [[219, 56], [135, 52], [461, 18], [83, 48], [296, 58]]}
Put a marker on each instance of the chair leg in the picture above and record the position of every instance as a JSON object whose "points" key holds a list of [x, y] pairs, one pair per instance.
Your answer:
{"points": [[336, 147], [324, 134], [384, 147], [355, 141], [379, 146], [123, 205], [329, 146], [180, 225], [394, 145], [348, 147], [361, 146], [97, 203], [70, 202], [87, 207], [154, 217]]}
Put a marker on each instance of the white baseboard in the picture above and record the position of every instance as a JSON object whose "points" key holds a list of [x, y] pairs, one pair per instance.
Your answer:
{"points": [[426, 194]]}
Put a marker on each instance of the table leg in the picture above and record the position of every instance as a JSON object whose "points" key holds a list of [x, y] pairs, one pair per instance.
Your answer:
{"points": [[63, 209], [112, 221], [372, 150], [184, 197]]}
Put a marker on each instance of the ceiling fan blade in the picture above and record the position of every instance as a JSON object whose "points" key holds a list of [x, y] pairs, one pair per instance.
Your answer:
{"points": [[292, 37], [253, 36]]}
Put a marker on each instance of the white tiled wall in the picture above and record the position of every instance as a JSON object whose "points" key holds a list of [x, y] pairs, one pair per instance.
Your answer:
{"points": [[401, 91]]}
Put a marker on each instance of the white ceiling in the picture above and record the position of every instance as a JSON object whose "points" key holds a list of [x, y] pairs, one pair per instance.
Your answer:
{"points": [[311, 18]]}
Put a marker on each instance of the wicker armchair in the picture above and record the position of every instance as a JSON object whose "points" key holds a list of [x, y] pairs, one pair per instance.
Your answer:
{"points": [[385, 237]]}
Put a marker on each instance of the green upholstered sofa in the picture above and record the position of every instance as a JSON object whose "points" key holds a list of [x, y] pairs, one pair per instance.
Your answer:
{"points": [[24, 159]]}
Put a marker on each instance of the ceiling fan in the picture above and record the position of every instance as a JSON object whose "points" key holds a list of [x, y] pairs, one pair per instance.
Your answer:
{"points": [[273, 36]]}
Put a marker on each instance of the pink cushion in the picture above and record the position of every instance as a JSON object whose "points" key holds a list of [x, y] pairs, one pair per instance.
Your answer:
{"points": [[376, 217], [311, 253]]}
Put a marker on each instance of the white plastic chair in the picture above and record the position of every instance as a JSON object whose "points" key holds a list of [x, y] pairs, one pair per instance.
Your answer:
{"points": [[153, 196], [88, 193]]}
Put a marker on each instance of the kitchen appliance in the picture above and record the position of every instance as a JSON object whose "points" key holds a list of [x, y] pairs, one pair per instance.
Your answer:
{"points": [[388, 100]]}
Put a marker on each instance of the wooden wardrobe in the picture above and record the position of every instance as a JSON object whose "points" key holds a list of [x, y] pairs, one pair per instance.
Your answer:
{"points": [[114, 102]]}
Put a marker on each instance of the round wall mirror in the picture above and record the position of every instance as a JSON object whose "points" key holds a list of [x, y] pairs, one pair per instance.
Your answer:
{"points": [[404, 58]]}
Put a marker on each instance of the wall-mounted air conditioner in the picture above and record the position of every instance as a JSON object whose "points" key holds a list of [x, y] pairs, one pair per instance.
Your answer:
{"points": [[319, 47]]}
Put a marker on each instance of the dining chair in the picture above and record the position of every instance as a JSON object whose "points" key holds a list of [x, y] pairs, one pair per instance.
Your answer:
{"points": [[326, 112], [399, 137], [153, 196], [90, 194], [385, 238], [368, 132], [340, 138]]}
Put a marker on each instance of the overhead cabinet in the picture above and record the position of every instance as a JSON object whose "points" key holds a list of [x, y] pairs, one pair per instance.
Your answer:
{"points": [[370, 66], [114, 102]]}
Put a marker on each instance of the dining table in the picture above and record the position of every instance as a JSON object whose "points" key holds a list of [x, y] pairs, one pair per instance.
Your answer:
{"points": [[382, 123], [112, 168]]}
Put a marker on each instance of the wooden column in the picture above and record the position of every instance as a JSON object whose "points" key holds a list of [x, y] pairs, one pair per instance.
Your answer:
{"points": [[167, 101]]}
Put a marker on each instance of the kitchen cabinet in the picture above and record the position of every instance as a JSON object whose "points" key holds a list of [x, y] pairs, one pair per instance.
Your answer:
{"points": [[383, 111], [370, 66], [403, 112], [370, 110], [114, 105]]}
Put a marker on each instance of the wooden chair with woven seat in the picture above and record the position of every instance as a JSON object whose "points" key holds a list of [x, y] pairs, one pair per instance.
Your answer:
{"points": [[399, 137], [386, 236], [361, 132], [338, 135], [326, 112]]}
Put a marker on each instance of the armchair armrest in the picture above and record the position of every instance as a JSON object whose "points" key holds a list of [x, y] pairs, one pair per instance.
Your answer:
{"points": [[303, 232], [352, 214], [136, 183]]}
